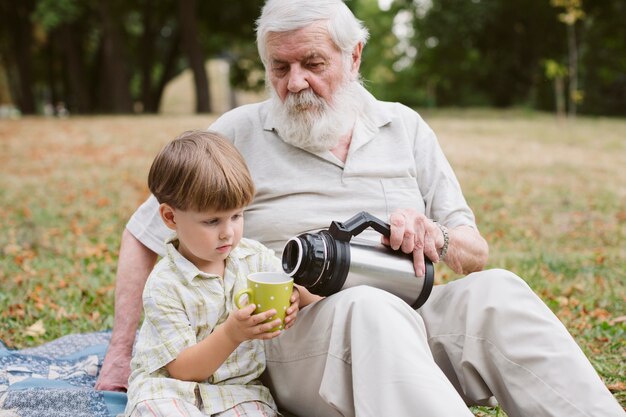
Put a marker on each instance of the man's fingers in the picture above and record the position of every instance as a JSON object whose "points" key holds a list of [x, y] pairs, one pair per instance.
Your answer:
{"points": [[418, 263], [398, 227], [430, 249]]}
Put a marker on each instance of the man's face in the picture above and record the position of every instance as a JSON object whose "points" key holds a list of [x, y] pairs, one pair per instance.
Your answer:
{"points": [[315, 95], [305, 59]]}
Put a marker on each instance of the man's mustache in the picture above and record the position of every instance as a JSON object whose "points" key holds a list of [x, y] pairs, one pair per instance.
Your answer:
{"points": [[304, 101]]}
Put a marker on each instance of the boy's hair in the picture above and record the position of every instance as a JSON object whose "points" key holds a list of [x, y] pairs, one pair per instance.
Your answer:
{"points": [[201, 170]]}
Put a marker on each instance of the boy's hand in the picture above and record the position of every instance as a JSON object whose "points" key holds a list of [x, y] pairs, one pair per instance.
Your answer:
{"points": [[242, 324], [293, 309]]}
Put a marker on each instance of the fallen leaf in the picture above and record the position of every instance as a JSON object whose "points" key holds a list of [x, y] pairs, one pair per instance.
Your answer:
{"points": [[617, 386], [36, 329], [600, 313]]}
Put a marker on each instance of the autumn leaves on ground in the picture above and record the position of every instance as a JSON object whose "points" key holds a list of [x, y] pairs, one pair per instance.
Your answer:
{"points": [[549, 196]]}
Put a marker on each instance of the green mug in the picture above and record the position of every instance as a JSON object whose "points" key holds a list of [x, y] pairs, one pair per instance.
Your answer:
{"points": [[268, 290]]}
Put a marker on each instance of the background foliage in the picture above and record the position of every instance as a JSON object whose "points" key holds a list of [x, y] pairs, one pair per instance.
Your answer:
{"points": [[117, 56]]}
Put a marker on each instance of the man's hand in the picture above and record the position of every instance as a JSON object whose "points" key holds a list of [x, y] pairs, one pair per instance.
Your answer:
{"points": [[412, 232], [115, 371]]}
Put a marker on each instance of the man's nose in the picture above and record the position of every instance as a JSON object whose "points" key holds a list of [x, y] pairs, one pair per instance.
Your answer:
{"points": [[297, 80]]}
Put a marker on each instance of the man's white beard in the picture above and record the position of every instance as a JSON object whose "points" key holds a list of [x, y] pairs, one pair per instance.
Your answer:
{"points": [[307, 121]]}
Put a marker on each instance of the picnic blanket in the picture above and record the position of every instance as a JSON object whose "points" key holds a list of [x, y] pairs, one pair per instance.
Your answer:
{"points": [[57, 379]]}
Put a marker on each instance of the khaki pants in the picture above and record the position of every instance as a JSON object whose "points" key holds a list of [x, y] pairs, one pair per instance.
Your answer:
{"points": [[365, 352], [171, 407]]}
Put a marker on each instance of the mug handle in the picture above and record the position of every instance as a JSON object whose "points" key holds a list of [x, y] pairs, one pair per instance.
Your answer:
{"points": [[240, 293]]}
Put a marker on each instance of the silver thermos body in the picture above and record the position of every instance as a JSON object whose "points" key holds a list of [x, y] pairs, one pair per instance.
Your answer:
{"points": [[331, 260]]}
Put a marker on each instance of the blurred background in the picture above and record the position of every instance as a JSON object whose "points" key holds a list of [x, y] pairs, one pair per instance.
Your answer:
{"points": [[189, 56]]}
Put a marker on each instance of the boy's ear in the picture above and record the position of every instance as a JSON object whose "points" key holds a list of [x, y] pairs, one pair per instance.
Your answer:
{"points": [[168, 215]]}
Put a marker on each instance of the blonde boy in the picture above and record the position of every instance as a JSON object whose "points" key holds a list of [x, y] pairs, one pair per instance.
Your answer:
{"points": [[196, 353]]}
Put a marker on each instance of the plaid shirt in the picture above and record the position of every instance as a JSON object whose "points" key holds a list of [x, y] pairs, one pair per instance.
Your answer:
{"points": [[182, 306]]}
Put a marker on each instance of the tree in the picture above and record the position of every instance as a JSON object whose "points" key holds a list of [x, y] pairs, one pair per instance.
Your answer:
{"points": [[557, 73], [194, 53], [572, 14], [116, 85], [17, 44], [603, 58]]}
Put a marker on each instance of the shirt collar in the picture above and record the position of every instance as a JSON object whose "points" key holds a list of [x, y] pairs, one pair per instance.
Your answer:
{"points": [[186, 270]]}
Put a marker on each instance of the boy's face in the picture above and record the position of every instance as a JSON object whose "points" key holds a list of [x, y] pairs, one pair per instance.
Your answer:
{"points": [[205, 238]]}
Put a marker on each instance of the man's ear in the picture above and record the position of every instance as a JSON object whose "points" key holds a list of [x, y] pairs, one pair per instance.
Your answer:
{"points": [[168, 214], [356, 60]]}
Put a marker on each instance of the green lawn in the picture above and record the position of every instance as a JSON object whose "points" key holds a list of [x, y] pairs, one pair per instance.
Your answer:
{"points": [[549, 196]]}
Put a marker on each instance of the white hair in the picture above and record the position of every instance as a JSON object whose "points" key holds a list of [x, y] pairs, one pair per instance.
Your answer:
{"points": [[307, 121], [345, 30]]}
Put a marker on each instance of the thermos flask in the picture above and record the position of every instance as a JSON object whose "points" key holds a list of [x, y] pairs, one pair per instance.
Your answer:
{"points": [[331, 260]]}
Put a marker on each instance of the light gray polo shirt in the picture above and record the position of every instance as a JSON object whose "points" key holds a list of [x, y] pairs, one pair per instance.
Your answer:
{"points": [[394, 161]]}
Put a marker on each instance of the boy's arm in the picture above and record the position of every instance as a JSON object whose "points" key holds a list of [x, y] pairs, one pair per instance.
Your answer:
{"points": [[200, 361]]}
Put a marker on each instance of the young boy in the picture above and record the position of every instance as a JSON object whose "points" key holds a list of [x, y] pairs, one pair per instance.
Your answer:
{"points": [[196, 353]]}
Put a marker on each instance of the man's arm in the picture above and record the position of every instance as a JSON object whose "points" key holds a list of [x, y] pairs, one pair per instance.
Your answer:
{"points": [[133, 267], [468, 251], [412, 232]]}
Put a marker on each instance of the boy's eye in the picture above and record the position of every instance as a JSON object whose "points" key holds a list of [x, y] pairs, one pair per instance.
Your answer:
{"points": [[211, 222]]}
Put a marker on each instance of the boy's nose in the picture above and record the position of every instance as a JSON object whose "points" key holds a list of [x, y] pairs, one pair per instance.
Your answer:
{"points": [[226, 232]]}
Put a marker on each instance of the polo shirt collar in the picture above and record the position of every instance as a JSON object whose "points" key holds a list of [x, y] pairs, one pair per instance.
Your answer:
{"points": [[187, 270]]}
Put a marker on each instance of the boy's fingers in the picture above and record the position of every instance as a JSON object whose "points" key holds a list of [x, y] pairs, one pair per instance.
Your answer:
{"points": [[293, 308], [261, 317], [244, 312], [248, 309], [266, 327], [269, 335]]}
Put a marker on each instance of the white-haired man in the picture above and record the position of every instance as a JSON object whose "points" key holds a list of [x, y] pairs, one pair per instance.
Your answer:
{"points": [[322, 149]]}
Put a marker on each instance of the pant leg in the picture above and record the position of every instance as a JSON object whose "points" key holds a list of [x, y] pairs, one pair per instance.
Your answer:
{"points": [[167, 407], [492, 335], [359, 352], [248, 409]]}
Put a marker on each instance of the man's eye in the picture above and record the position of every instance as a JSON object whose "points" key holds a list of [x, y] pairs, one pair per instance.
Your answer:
{"points": [[316, 65]]}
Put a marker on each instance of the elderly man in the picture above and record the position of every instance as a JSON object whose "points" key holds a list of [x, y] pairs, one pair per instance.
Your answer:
{"points": [[321, 149]]}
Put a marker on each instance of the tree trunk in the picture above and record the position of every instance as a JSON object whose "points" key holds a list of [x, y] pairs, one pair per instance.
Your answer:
{"points": [[192, 49], [16, 16], [116, 77], [75, 70], [559, 91], [168, 71], [573, 69], [147, 55]]}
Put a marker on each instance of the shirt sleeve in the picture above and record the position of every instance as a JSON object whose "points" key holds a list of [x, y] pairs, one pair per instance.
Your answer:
{"points": [[166, 330], [148, 227], [440, 188]]}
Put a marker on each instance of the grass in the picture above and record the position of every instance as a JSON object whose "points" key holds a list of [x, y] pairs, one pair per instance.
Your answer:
{"points": [[549, 195]]}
